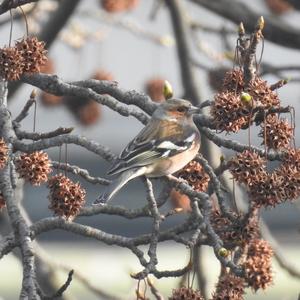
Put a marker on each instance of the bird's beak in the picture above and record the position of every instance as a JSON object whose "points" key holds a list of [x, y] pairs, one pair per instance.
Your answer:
{"points": [[194, 110]]}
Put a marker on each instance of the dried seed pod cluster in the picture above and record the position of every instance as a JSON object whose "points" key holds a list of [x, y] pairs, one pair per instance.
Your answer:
{"points": [[265, 188], [235, 233], [281, 185], [3, 153], [229, 112], [195, 175], [115, 6], [258, 265], [155, 89], [229, 287], [34, 167], [277, 134], [66, 197], [267, 191], [34, 54], [247, 168], [232, 110], [292, 157], [27, 56], [262, 94], [11, 63], [185, 293], [233, 81]]}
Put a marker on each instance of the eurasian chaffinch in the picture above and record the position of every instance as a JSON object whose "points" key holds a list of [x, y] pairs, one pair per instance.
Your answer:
{"points": [[168, 142]]}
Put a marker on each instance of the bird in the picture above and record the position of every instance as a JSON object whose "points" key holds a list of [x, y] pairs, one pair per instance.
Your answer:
{"points": [[168, 142]]}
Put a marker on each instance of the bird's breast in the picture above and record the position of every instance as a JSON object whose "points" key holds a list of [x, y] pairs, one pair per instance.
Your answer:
{"points": [[170, 165]]}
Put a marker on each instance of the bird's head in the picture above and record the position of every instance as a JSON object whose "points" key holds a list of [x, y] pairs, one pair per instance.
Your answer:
{"points": [[178, 109]]}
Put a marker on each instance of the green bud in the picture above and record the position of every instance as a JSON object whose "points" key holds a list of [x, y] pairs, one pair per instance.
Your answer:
{"points": [[261, 23], [168, 90], [245, 97], [223, 252], [241, 29]]}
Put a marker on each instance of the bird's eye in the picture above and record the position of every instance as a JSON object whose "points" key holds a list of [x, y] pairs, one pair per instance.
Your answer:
{"points": [[181, 109]]}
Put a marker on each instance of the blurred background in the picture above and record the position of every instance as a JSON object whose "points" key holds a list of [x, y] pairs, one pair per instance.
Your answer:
{"points": [[135, 46]]}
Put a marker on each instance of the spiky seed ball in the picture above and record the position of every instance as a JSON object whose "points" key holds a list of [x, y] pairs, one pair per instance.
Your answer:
{"points": [[229, 287], [11, 63], [66, 197], [2, 202], [262, 94], [103, 75], [185, 293], [292, 157], [233, 81], [267, 191], [250, 228], [155, 89], [195, 175], [290, 182], [279, 7], [228, 112], [276, 133], [258, 264], [34, 167], [247, 168], [234, 233], [34, 54], [114, 6], [257, 88], [3, 153]]}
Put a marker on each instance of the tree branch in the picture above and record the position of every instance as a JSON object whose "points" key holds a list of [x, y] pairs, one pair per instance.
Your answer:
{"points": [[275, 31]]}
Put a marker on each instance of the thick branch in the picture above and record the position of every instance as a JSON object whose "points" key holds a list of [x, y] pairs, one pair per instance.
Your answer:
{"points": [[54, 85], [7, 5], [275, 31], [20, 229], [57, 141]]}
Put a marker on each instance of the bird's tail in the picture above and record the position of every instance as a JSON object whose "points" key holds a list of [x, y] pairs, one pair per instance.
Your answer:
{"points": [[117, 184]]}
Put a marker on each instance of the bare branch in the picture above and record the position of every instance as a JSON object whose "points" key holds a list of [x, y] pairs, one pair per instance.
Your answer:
{"points": [[92, 146], [35, 136], [24, 113], [276, 31], [20, 228], [92, 89], [78, 171], [60, 292], [7, 5]]}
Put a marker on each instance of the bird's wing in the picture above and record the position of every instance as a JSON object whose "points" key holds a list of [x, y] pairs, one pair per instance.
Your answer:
{"points": [[156, 140]]}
